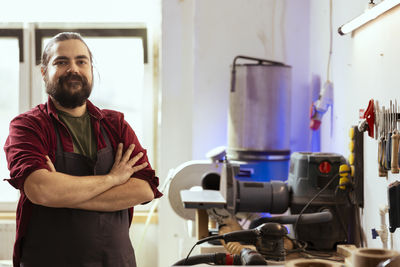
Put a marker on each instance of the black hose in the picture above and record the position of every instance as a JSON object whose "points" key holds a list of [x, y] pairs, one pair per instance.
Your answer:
{"points": [[215, 258], [306, 218], [251, 257]]}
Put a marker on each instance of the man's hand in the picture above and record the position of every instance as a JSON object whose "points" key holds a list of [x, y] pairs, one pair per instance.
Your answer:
{"points": [[50, 164], [124, 167]]}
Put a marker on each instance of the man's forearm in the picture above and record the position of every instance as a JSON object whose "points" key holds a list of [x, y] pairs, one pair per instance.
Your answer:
{"points": [[55, 189], [133, 192]]}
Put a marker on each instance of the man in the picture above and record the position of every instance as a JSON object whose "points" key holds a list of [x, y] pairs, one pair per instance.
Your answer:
{"points": [[79, 169]]}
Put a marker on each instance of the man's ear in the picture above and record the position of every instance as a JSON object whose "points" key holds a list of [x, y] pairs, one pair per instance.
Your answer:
{"points": [[42, 71]]}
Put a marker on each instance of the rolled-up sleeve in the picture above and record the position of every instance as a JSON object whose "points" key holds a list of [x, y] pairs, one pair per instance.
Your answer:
{"points": [[25, 149]]}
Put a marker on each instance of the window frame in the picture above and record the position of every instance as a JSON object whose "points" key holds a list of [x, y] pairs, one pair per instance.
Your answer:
{"points": [[41, 33], [17, 33]]}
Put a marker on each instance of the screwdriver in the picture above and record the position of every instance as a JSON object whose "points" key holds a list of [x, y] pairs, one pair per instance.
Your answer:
{"points": [[395, 143], [381, 145], [388, 151]]}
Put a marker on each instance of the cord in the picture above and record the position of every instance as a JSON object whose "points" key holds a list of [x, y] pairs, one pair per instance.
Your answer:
{"points": [[311, 200], [338, 212], [187, 257], [301, 246], [211, 259], [330, 41], [357, 213]]}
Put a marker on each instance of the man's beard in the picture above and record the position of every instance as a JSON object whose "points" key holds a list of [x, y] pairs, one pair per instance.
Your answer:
{"points": [[65, 96]]}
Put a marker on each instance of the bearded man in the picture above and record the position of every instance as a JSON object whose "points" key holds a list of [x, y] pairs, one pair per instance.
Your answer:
{"points": [[80, 170]]}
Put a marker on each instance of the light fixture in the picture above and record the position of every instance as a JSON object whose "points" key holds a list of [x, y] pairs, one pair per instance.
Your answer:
{"points": [[368, 15]]}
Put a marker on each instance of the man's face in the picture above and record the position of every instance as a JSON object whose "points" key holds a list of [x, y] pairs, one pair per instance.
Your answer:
{"points": [[69, 74]]}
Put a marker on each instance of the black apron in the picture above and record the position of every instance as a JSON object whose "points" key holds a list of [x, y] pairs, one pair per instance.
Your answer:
{"points": [[65, 237]]}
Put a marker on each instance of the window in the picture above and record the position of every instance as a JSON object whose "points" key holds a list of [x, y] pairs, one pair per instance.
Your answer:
{"points": [[9, 84], [124, 91]]}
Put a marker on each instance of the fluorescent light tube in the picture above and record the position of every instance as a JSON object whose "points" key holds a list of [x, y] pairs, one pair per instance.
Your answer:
{"points": [[368, 15]]}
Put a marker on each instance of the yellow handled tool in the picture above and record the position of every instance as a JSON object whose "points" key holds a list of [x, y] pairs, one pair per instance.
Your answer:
{"points": [[344, 171]]}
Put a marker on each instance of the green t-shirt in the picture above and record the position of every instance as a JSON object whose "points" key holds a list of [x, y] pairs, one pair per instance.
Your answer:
{"points": [[82, 134]]}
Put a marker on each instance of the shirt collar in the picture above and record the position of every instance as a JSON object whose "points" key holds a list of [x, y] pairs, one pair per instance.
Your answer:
{"points": [[92, 109]]}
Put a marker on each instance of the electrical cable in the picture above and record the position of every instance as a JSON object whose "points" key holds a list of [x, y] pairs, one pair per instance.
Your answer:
{"points": [[330, 42], [338, 212], [211, 258], [232, 247], [312, 199], [187, 257], [329, 58], [301, 246], [357, 214]]}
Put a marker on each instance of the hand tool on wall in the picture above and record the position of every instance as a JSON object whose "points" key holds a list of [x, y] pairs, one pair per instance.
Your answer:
{"points": [[382, 144], [368, 121], [380, 136], [388, 151], [395, 142], [377, 121]]}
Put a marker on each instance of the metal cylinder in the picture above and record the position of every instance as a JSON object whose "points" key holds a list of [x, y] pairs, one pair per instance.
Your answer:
{"points": [[259, 111], [270, 197]]}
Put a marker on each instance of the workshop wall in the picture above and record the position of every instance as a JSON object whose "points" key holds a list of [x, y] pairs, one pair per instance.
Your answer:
{"points": [[364, 67], [200, 40]]}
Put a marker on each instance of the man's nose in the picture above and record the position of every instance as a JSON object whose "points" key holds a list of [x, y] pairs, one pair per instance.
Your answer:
{"points": [[73, 68]]}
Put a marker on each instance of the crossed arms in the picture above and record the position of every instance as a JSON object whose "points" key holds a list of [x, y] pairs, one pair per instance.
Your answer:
{"points": [[113, 191]]}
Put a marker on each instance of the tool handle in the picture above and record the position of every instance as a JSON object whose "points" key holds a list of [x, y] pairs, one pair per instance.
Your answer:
{"points": [[395, 152], [382, 171], [388, 153]]}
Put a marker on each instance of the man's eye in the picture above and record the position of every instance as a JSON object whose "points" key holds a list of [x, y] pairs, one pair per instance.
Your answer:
{"points": [[61, 63], [81, 62]]}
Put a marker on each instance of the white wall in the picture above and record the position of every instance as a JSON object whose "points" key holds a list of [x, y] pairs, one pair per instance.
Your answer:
{"points": [[364, 67], [144, 241], [200, 40]]}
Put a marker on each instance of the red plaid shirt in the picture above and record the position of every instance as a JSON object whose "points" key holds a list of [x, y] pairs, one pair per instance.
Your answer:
{"points": [[32, 136]]}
